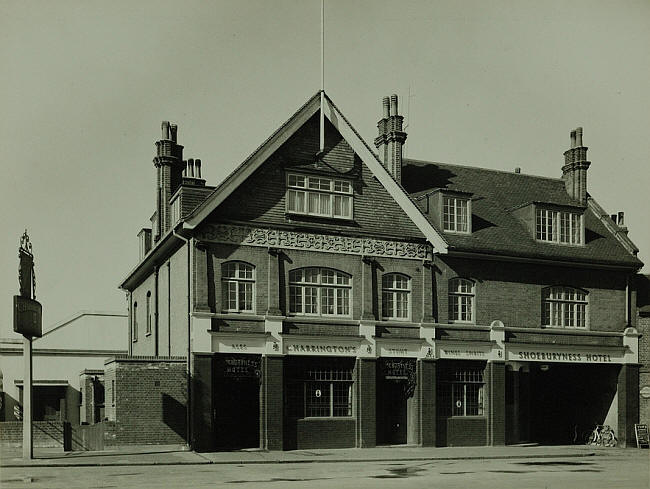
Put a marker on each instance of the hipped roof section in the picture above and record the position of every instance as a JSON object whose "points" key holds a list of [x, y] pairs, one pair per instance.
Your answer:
{"points": [[282, 134]]}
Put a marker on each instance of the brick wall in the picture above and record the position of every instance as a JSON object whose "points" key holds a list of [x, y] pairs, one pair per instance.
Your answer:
{"points": [[45, 434], [512, 292], [427, 396], [325, 433], [149, 402], [463, 432], [643, 325], [294, 259]]}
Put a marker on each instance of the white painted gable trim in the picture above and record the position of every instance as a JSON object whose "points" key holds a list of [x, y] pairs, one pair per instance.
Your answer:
{"points": [[358, 145], [389, 183]]}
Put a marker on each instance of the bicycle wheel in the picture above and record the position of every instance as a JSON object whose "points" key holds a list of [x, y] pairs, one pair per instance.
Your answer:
{"points": [[592, 438], [609, 439]]}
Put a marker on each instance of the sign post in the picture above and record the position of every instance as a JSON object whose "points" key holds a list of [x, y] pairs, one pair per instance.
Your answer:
{"points": [[27, 321]]}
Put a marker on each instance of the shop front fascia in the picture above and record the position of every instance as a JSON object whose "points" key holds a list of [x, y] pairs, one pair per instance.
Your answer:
{"points": [[505, 362]]}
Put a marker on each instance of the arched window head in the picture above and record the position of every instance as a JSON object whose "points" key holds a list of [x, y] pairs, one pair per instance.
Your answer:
{"points": [[395, 296], [565, 307], [319, 292], [238, 286], [461, 300]]}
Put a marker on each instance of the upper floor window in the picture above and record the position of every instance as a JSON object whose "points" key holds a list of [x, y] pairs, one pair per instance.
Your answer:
{"points": [[565, 307], [319, 291], [395, 295], [319, 196], [148, 318], [558, 226], [455, 214], [237, 285], [134, 323], [461, 300]]}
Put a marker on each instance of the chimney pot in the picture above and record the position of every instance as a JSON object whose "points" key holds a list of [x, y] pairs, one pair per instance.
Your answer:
{"points": [[393, 104], [165, 130], [573, 139], [386, 105], [579, 137], [621, 219], [517, 170], [190, 164], [197, 164], [614, 218], [173, 129]]}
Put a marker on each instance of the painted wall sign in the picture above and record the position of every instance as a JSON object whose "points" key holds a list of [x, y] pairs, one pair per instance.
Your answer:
{"points": [[465, 352], [246, 235], [238, 344], [386, 349], [567, 356], [239, 366], [317, 348]]}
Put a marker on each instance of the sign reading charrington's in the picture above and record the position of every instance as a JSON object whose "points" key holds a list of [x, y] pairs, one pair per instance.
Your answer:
{"points": [[304, 348]]}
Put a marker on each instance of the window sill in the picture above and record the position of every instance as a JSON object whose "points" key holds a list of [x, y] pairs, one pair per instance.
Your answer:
{"points": [[462, 233], [295, 216], [561, 328], [557, 243], [319, 319], [325, 418], [471, 416]]}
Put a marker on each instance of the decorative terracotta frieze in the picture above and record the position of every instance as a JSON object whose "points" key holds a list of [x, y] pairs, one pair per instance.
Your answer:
{"points": [[253, 236]]}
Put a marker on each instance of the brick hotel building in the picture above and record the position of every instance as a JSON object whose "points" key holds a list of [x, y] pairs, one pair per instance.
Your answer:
{"points": [[353, 298]]}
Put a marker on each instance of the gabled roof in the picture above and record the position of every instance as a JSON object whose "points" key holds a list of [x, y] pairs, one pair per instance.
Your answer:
{"points": [[282, 134], [496, 230]]}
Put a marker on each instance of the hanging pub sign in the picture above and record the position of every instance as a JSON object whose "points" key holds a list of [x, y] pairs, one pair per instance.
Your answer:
{"points": [[27, 310], [398, 368], [239, 366]]}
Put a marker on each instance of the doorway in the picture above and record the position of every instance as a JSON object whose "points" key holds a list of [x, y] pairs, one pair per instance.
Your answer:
{"points": [[392, 413], [237, 413]]}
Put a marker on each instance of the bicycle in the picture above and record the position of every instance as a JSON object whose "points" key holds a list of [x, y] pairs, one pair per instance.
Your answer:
{"points": [[602, 436]]}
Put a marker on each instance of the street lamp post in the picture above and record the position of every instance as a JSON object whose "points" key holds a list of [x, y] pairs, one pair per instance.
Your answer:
{"points": [[27, 321]]}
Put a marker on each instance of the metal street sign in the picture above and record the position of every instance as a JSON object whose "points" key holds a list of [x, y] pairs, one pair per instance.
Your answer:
{"points": [[27, 317]]}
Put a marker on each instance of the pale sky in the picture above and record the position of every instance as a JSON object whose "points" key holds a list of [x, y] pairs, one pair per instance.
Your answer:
{"points": [[497, 84]]}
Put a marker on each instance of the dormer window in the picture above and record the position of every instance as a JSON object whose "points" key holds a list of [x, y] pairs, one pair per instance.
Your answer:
{"points": [[557, 226], [319, 196], [456, 212]]}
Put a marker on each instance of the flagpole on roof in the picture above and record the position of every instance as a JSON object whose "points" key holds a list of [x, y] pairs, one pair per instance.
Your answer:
{"points": [[322, 75]]}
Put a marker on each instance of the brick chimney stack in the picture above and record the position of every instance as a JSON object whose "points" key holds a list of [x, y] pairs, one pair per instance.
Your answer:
{"points": [[574, 171], [391, 138], [169, 173]]}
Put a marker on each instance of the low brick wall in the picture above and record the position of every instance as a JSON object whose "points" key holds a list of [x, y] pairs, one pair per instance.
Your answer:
{"points": [[146, 401], [46, 434]]}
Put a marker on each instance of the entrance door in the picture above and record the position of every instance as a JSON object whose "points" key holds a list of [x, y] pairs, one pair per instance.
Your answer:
{"points": [[391, 413], [237, 413]]}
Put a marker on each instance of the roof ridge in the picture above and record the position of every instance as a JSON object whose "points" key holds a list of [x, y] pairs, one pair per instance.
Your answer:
{"points": [[555, 179]]}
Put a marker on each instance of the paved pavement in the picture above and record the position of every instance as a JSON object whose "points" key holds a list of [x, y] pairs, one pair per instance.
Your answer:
{"points": [[142, 455]]}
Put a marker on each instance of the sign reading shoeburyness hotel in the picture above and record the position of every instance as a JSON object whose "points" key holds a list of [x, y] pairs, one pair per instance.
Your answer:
{"points": [[572, 355]]}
